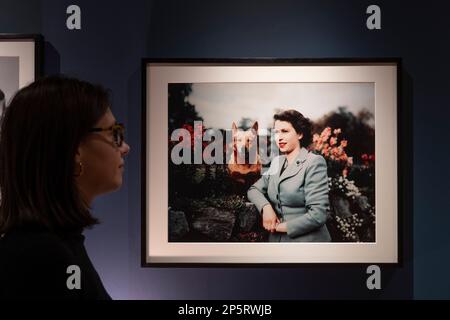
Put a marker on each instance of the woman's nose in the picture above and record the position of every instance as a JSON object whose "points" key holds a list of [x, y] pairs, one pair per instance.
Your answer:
{"points": [[125, 148]]}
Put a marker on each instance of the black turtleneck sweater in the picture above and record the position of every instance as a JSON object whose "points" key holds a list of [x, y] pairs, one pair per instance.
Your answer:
{"points": [[34, 262]]}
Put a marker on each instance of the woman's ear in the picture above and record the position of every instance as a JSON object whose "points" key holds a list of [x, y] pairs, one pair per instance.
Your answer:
{"points": [[78, 153], [300, 136]]}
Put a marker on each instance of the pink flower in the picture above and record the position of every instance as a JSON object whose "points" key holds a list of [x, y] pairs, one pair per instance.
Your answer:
{"points": [[337, 131], [343, 143], [326, 150], [333, 141], [319, 146], [315, 138], [325, 133], [335, 152]]}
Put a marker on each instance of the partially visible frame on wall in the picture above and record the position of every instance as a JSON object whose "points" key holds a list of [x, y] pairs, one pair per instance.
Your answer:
{"points": [[201, 116], [21, 62]]}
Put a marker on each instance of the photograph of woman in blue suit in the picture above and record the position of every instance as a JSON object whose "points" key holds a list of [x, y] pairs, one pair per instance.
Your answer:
{"points": [[292, 195]]}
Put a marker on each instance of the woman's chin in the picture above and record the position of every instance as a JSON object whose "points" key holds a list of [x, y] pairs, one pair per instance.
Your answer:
{"points": [[116, 184]]}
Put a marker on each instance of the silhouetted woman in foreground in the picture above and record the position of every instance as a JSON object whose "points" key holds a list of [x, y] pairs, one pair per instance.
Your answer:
{"points": [[60, 147]]}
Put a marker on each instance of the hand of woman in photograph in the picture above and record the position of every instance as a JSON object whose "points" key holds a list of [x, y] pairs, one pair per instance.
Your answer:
{"points": [[281, 227], [270, 219]]}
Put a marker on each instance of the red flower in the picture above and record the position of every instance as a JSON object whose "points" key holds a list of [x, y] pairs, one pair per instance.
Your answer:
{"points": [[189, 128]]}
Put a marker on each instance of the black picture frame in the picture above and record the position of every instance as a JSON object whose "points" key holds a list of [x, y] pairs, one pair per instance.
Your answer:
{"points": [[38, 41], [397, 123], [27, 49]]}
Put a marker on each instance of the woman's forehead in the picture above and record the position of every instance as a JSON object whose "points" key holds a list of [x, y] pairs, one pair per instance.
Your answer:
{"points": [[282, 124]]}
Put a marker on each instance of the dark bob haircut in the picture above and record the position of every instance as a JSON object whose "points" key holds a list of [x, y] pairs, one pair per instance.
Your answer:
{"points": [[301, 124], [40, 133]]}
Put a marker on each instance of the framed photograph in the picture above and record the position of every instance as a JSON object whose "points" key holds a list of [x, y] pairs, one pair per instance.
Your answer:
{"points": [[20, 63], [270, 161]]}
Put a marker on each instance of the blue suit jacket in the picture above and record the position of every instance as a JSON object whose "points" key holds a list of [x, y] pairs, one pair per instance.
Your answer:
{"points": [[299, 196]]}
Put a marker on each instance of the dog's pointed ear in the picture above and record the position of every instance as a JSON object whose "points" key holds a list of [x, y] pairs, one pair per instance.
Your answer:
{"points": [[255, 126], [234, 129]]}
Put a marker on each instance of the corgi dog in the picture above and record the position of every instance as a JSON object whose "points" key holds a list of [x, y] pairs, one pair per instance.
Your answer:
{"points": [[244, 164]]}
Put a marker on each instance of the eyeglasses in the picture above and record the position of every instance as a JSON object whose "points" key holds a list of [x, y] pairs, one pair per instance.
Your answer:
{"points": [[118, 131]]}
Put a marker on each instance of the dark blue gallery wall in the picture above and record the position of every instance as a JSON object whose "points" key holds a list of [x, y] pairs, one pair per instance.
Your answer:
{"points": [[20, 16], [108, 49]]}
